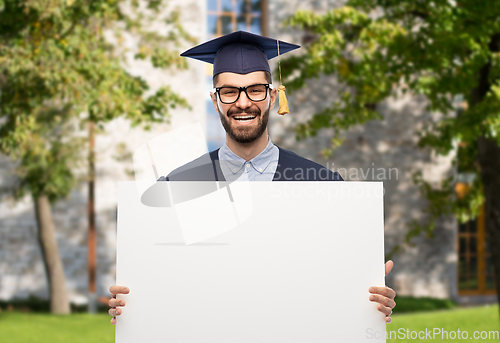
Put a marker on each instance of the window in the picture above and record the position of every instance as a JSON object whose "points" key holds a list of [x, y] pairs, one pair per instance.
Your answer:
{"points": [[475, 264], [226, 16]]}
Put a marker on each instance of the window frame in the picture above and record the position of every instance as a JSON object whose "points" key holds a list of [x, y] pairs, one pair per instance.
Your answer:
{"points": [[481, 255]]}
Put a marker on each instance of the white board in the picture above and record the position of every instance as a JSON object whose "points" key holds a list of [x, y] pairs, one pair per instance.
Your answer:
{"points": [[266, 262]]}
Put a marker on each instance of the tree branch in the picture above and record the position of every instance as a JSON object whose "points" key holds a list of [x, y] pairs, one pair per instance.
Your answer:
{"points": [[68, 31]]}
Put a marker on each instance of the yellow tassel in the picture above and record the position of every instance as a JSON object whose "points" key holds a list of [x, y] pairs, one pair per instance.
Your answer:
{"points": [[283, 109]]}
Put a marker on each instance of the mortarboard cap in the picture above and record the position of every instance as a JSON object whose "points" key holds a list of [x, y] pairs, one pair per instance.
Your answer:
{"points": [[239, 52]]}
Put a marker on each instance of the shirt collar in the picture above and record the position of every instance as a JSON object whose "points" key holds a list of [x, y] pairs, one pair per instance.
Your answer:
{"points": [[259, 162]]}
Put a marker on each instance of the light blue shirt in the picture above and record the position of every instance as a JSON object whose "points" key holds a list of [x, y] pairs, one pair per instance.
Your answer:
{"points": [[260, 168]]}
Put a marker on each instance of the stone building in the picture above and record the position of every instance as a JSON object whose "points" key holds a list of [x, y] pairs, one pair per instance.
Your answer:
{"points": [[388, 146]]}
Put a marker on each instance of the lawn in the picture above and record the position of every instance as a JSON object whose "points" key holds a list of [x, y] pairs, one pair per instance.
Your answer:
{"points": [[484, 318], [16, 327]]}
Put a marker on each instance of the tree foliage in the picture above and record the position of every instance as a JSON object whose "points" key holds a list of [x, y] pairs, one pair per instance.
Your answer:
{"points": [[381, 48], [62, 65]]}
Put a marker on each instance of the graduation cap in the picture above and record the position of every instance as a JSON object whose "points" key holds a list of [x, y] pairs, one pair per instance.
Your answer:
{"points": [[242, 53]]}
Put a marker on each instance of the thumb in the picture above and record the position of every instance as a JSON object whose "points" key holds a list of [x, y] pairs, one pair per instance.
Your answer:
{"points": [[388, 266]]}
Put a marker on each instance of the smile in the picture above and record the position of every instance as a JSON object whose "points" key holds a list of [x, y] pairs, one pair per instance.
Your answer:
{"points": [[246, 118]]}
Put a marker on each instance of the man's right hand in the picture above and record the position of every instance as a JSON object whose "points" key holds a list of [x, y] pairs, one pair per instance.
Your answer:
{"points": [[116, 304]]}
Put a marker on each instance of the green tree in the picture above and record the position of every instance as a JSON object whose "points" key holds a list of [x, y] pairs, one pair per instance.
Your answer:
{"points": [[438, 48], [62, 69]]}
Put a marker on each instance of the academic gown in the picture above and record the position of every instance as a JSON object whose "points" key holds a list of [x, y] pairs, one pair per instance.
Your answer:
{"points": [[291, 167]]}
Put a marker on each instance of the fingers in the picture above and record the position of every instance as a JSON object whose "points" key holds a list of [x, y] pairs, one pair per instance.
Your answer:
{"points": [[384, 291], [384, 309], [116, 302], [384, 296], [119, 290], [113, 312], [388, 266], [384, 301]]}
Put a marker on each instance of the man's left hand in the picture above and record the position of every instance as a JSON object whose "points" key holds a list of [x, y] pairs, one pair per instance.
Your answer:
{"points": [[384, 296]]}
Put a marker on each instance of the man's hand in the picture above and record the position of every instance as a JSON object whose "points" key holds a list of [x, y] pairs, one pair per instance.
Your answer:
{"points": [[384, 296], [115, 303]]}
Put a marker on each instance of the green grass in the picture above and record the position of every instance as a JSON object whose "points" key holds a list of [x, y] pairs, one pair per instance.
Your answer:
{"points": [[484, 318], [16, 327]]}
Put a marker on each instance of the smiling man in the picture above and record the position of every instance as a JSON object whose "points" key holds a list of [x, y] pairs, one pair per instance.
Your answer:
{"points": [[246, 119], [243, 95]]}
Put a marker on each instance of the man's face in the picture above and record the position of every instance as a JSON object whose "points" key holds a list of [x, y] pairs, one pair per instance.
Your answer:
{"points": [[244, 120]]}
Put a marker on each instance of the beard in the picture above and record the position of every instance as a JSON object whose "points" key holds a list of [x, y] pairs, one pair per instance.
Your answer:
{"points": [[244, 134]]}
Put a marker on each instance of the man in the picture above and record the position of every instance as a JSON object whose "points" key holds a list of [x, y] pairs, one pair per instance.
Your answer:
{"points": [[243, 96]]}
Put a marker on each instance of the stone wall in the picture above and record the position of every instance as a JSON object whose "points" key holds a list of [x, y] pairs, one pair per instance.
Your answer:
{"points": [[428, 269], [378, 151], [21, 269]]}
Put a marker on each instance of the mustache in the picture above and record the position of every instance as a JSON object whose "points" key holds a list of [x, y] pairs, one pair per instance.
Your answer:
{"points": [[240, 110]]}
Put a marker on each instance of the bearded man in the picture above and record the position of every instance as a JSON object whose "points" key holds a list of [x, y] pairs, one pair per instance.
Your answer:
{"points": [[243, 95]]}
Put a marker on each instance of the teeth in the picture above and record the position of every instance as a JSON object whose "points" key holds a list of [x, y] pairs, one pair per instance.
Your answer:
{"points": [[243, 117]]}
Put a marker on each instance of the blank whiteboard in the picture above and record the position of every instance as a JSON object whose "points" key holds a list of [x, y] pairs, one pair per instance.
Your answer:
{"points": [[256, 262]]}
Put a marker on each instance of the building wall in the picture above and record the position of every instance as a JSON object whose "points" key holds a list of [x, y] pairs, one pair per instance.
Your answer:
{"points": [[425, 270], [378, 151], [21, 268]]}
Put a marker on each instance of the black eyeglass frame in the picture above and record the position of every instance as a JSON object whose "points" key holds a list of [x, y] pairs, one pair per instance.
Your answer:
{"points": [[242, 89]]}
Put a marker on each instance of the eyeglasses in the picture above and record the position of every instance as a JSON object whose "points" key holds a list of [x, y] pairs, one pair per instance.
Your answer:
{"points": [[229, 95]]}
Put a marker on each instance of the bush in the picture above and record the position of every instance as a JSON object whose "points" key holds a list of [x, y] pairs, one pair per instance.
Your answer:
{"points": [[35, 304], [412, 304]]}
